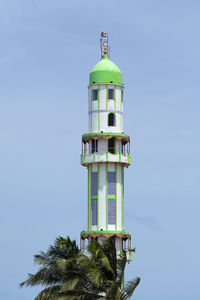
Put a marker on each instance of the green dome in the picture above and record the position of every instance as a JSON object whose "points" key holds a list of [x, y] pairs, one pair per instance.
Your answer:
{"points": [[105, 72]]}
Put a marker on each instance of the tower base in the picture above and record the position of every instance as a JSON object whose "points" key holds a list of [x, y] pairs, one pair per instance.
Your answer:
{"points": [[121, 239]]}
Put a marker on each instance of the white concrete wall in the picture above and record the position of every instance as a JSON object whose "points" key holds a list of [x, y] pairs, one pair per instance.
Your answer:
{"points": [[102, 145], [100, 120], [102, 95]]}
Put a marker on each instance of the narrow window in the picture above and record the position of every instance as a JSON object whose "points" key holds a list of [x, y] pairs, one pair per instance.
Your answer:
{"points": [[94, 211], [94, 197], [94, 183], [111, 145], [111, 211], [122, 95], [111, 183], [123, 146], [110, 94], [111, 119], [94, 146], [94, 95]]}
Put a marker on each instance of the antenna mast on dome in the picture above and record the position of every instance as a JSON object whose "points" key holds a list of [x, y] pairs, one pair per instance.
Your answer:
{"points": [[104, 45]]}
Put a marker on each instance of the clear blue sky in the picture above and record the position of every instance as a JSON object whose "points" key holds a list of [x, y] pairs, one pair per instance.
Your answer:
{"points": [[47, 50]]}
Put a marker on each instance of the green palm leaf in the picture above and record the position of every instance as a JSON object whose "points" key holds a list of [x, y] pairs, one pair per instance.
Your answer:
{"points": [[131, 286], [66, 273]]}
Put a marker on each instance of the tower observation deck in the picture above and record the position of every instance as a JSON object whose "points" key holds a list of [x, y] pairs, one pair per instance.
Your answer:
{"points": [[105, 153]]}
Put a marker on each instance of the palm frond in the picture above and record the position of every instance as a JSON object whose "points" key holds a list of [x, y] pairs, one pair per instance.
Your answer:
{"points": [[100, 257], [121, 264], [113, 292], [68, 274], [48, 293], [110, 252], [131, 286]]}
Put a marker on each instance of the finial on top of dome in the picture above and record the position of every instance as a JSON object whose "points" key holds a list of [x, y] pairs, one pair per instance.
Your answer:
{"points": [[104, 45]]}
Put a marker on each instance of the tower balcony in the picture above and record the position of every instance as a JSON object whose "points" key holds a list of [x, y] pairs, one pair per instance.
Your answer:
{"points": [[105, 147], [122, 241], [96, 157]]}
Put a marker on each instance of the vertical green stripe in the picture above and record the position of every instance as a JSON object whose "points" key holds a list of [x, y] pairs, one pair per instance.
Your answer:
{"points": [[106, 196], [115, 104], [98, 108], [91, 109], [91, 197], [115, 197], [106, 96], [122, 197], [98, 200]]}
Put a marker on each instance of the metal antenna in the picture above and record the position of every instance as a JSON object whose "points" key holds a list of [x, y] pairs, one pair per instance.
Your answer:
{"points": [[105, 50]]}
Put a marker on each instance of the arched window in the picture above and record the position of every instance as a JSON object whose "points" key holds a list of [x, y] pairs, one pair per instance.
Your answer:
{"points": [[111, 119]]}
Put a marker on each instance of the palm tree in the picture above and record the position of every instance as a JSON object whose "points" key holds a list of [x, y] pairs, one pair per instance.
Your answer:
{"points": [[106, 270], [66, 273], [60, 273]]}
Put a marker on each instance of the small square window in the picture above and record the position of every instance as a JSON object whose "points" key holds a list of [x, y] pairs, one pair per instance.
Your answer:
{"points": [[94, 95], [111, 94]]}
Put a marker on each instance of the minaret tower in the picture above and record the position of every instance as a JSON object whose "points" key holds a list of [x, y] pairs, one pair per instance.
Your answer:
{"points": [[105, 153]]}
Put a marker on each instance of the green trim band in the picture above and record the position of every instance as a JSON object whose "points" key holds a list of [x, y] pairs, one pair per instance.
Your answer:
{"points": [[106, 83], [106, 231], [111, 197], [105, 134]]}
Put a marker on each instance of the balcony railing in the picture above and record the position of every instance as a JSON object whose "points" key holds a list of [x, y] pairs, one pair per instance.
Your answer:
{"points": [[105, 157]]}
